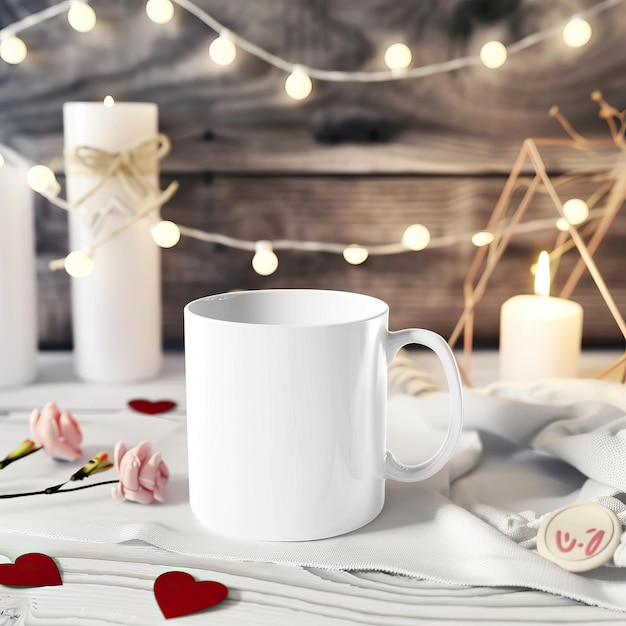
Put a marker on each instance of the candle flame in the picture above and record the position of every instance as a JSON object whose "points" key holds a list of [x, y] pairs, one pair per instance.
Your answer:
{"points": [[542, 275]]}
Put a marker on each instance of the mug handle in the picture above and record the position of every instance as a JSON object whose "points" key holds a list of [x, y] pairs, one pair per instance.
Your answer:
{"points": [[410, 473]]}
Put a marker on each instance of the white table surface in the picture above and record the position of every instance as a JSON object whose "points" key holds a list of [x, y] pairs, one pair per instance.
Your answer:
{"points": [[112, 584]]}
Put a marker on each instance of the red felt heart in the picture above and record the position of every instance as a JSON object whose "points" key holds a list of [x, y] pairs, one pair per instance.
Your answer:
{"points": [[178, 594], [30, 570], [151, 408]]}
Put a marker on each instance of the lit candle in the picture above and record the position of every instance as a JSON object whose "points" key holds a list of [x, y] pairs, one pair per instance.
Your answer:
{"points": [[18, 289], [540, 336]]}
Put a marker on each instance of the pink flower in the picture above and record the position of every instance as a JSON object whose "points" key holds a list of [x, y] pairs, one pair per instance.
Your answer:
{"points": [[143, 476], [57, 433]]}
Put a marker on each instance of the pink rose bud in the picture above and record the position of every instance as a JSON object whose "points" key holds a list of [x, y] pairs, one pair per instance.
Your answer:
{"points": [[143, 476], [57, 433]]}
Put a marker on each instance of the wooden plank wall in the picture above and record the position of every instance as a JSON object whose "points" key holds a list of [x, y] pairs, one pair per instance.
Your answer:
{"points": [[353, 163]]}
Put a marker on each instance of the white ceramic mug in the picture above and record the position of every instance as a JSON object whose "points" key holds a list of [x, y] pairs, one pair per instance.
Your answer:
{"points": [[286, 411]]}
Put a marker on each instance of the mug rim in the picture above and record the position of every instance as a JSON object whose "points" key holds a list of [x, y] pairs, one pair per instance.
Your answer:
{"points": [[384, 307]]}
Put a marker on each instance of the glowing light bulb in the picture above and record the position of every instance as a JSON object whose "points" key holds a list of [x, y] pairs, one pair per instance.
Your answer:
{"points": [[577, 32], [298, 84], [222, 50], [355, 254], [562, 224], [12, 50], [482, 238], [264, 262], [542, 275], [108, 101], [398, 56], [493, 54], [160, 11], [78, 264], [576, 210], [41, 179], [165, 234], [81, 17], [416, 237]]}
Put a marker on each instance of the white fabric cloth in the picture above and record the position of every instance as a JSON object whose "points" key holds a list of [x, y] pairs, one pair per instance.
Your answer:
{"points": [[105, 584], [525, 452]]}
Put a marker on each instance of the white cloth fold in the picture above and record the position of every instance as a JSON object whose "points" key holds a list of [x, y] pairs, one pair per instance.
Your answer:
{"points": [[525, 452]]}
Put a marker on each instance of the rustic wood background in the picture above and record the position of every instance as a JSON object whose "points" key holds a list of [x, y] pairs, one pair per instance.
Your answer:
{"points": [[353, 163]]}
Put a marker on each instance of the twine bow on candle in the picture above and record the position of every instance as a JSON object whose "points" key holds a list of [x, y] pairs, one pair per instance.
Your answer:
{"points": [[131, 165]]}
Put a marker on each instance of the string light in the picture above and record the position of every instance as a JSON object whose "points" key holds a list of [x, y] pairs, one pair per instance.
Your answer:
{"points": [[264, 262], [160, 11], [482, 238], [12, 50], [398, 56], [298, 84], [355, 254], [41, 179], [562, 224], [577, 32], [388, 75], [416, 237], [78, 264], [576, 212], [166, 234], [493, 54], [108, 101], [222, 49], [81, 17]]}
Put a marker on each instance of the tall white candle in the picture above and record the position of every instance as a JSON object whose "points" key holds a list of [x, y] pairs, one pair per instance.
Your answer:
{"points": [[18, 292], [116, 309], [540, 336]]}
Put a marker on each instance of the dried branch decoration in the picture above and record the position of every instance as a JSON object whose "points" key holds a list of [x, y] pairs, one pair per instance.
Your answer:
{"points": [[504, 225]]}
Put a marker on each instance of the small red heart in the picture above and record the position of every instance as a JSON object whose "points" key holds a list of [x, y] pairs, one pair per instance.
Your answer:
{"points": [[30, 570], [151, 408], [178, 594]]}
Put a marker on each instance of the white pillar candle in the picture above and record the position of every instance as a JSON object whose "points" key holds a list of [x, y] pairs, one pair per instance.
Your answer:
{"points": [[116, 309], [18, 292], [540, 336]]}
